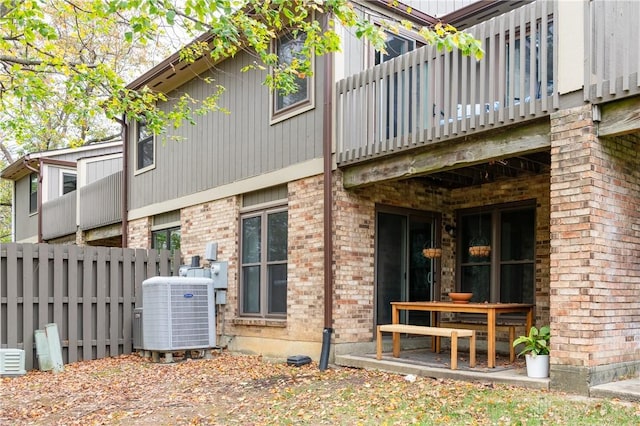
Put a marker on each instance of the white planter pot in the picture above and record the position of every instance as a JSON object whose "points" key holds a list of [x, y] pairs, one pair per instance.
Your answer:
{"points": [[537, 365]]}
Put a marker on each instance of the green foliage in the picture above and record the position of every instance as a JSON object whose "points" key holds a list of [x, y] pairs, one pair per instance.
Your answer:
{"points": [[536, 342], [62, 61]]}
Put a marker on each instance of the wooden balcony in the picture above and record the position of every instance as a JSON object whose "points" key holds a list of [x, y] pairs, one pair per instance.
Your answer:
{"points": [[425, 97], [101, 202], [100, 205], [59, 216]]}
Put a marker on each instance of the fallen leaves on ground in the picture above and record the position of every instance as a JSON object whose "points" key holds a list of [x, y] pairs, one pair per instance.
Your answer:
{"points": [[247, 390]]}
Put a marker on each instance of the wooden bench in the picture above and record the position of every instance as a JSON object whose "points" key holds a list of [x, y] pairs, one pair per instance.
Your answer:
{"points": [[430, 331], [507, 328]]}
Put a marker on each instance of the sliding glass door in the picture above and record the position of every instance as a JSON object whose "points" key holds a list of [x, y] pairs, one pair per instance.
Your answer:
{"points": [[402, 272]]}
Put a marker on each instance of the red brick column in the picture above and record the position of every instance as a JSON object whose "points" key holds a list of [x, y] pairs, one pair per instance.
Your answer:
{"points": [[594, 265]]}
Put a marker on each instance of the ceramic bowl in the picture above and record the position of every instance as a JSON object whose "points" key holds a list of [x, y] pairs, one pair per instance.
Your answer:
{"points": [[460, 297]]}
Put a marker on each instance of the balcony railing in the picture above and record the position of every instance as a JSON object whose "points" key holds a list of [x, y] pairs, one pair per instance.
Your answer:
{"points": [[613, 53], [59, 216], [426, 96], [101, 202]]}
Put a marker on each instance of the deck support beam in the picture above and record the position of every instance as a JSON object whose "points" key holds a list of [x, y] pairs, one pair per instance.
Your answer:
{"points": [[451, 154]]}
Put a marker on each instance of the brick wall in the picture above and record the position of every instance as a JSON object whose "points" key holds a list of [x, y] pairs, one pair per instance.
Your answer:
{"points": [[215, 221], [305, 277], [595, 256], [218, 221], [354, 243], [139, 233], [354, 240]]}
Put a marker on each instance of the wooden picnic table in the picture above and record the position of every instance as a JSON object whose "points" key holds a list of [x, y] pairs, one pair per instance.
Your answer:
{"points": [[491, 310]]}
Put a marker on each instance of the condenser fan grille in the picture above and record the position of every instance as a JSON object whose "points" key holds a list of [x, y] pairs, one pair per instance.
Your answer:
{"points": [[189, 316]]}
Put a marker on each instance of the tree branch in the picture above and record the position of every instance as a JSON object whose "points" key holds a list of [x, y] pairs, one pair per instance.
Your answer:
{"points": [[37, 62]]}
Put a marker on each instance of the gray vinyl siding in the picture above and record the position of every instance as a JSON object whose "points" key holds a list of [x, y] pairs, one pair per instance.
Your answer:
{"points": [[71, 154], [353, 52], [96, 170], [26, 224], [223, 148]]}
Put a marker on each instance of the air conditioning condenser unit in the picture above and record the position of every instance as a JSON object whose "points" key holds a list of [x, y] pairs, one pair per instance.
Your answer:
{"points": [[178, 314]]}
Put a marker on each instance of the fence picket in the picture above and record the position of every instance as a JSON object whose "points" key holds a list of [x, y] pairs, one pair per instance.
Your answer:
{"points": [[72, 305], [27, 302], [89, 292], [114, 297]]}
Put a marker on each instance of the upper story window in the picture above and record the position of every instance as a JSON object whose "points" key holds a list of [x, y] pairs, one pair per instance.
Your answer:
{"points": [[33, 193], [285, 105], [507, 273], [263, 269], [68, 182], [396, 45], [145, 147]]}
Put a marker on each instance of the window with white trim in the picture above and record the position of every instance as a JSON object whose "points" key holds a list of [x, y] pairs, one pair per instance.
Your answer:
{"points": [[263, 271], [68, 182], [145, 147]]}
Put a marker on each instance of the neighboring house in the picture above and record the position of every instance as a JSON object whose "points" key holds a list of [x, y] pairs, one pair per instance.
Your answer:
{"points": [[70, 195], [323, 201]]}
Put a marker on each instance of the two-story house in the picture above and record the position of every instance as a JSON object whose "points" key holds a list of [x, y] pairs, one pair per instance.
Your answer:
{"points": [[69, 195], [323, 201]]}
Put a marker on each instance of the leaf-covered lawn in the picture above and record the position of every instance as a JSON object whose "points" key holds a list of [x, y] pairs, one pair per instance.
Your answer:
{"points": [[247, 390]]}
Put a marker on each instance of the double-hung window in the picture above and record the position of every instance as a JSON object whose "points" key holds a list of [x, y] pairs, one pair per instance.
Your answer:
{"points": [[284, 105], [263, 272], [33, 193], [507, 273], [145, 147]]}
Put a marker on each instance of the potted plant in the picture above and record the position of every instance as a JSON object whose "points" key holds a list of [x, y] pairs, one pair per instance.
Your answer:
{"points": [[536, 351]]}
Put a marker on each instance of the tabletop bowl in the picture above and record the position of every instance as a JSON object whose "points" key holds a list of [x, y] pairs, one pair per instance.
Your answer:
{"points": [[460, 297]]}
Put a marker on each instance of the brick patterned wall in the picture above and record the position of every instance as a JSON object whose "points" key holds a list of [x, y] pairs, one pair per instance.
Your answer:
{"points": [[139, 233], [215, 221], [305, 277], [354, 243], [218, 221], [354, 240], [595, 232]]}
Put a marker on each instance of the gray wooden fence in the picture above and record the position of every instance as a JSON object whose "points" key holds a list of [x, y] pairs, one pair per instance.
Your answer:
{"points": [[89, 292]]}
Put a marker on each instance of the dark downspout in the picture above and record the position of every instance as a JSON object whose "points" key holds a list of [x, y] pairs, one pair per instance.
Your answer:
{"points": [[125, 179], [40, 201], [327, 132]]}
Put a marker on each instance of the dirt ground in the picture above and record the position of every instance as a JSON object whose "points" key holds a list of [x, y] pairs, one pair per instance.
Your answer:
{"points": [[247, 390], [131, 390]]}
